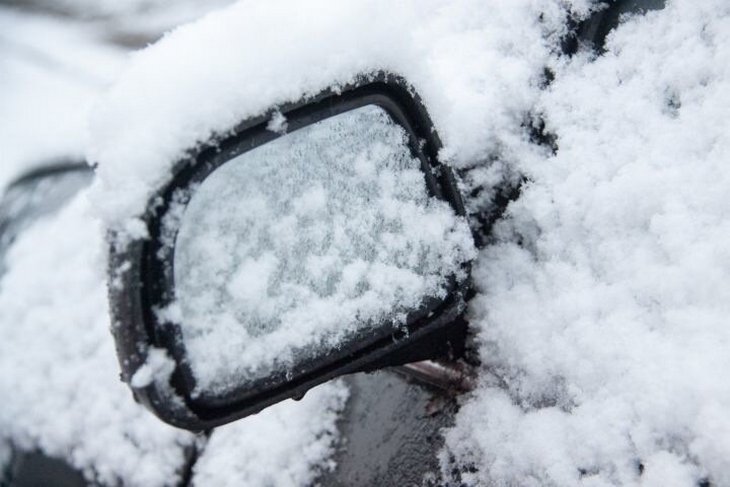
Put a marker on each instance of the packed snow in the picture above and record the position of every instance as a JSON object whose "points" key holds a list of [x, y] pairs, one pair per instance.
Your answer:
{"points": [[262, 451], [289, 249]]}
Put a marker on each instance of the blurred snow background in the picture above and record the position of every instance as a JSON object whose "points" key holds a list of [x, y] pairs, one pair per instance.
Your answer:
{"points": [[55, 56], [51, 69]]}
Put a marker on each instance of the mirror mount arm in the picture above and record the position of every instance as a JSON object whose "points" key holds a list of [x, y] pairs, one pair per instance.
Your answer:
{"points": [[446, 344], [452, 376]]}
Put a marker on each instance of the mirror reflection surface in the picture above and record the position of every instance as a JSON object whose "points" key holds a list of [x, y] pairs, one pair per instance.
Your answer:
{"points": [[288, 249]]}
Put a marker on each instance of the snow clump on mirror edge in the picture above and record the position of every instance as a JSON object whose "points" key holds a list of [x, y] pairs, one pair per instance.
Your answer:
{"points": [[476, 65]]}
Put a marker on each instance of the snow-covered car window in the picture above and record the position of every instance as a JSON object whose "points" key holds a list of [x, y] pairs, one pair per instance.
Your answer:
{"points": [[289, 248], [32, 197]]}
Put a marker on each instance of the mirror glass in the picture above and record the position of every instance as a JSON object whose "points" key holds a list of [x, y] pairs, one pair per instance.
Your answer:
{"points": [[288, 249]]}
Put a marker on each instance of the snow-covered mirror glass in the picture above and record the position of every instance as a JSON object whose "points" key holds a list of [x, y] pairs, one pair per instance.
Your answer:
{"points": [[287, 250]]}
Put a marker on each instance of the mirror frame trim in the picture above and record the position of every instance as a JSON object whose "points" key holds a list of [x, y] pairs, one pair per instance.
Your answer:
{"points": [[138, 280]]}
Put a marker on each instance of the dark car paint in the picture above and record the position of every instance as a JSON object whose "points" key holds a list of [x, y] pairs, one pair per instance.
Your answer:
{"points": [[396, 426], [34, 469]]}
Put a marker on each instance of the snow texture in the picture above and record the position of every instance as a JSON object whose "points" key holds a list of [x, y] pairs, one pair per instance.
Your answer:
{"points": [[60, 381], [603, 303], [287, 250], [475, 63], [605, 333], [157, 366], [261, 450]]}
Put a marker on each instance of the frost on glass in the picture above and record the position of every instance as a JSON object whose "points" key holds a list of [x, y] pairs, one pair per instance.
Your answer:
{"points": [[289, 248]]}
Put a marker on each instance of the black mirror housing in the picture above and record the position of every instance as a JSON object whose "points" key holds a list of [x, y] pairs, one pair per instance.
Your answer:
{"points": [[141, 279]]}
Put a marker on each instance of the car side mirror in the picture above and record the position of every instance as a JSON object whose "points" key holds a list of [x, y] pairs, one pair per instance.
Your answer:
{"points": [[320, 239]]}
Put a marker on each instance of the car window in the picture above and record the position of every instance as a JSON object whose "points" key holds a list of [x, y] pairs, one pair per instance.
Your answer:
{"points": [[35, 195]]}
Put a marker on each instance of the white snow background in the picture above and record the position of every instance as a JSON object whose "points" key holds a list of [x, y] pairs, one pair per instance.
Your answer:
{"points": [[603, 300]]}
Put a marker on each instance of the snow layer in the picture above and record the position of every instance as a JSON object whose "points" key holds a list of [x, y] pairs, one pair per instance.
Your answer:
{"points": [[475, 63], [261, 450], [59, 378], [288, 249], [605, 335]]}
